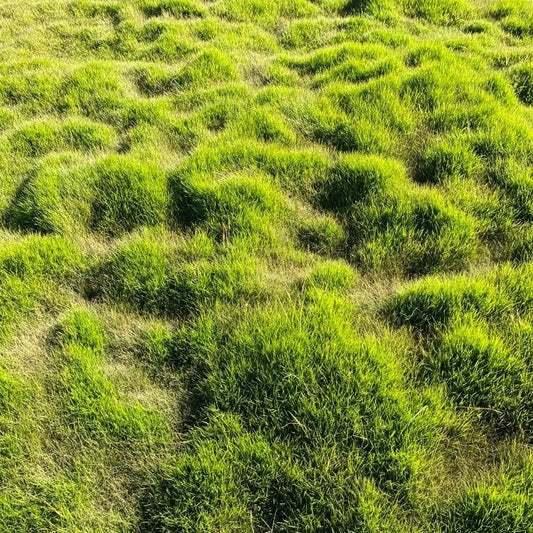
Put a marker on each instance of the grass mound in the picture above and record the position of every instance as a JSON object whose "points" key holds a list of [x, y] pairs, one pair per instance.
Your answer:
{"points": [[155, 279], [236, 206], [481, 372], [177, 8], [91, 90], [522, 78], [445, 12], [33, 274], [113, 196], [53, 199], [499, 506], [447, 161], [40, 138], [394, 226], [266, 427], [128, 194]]}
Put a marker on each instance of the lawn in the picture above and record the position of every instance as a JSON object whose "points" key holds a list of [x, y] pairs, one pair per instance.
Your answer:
{"points": [[266, 266]]}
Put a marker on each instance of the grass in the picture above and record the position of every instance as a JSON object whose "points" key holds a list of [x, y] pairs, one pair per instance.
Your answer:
{"points": [[91, 401], [127, 195], [266, 266]]}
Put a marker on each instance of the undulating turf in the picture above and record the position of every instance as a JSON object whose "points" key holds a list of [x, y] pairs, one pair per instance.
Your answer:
{"points": [[266, 266]]}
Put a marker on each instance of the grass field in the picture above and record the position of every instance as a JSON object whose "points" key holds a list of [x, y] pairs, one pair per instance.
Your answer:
{"points": [[266, 266]]}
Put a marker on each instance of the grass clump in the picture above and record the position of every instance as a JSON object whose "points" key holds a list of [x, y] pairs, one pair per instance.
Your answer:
{"points": [[128, 194], [35, 139], [469, 326], [515, 18], [439, 12], [264, 125], [30, 509], [500, 505], [54, 199], [393, 226], [331, 275], [92, 90], [514, 180], [368, 119], [358, 178], [40, 138], [443, 13], [137, 274], [221, 455], [32, 273], [85, 135], [164, 40], [234, 207], [447, 160], [354, 71], [522, 79], [479, 371], [419, 236], [337, 131], [154, 279], [31, 91], [113, 196], [40, 256], [322, 61], [321, 235], [373, 7], [295, 170], [436, 302], [209, 66], [376, 102], [262, 12]]}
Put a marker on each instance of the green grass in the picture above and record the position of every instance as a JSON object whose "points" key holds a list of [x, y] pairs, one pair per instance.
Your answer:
{"points": [[266, 266], [128, 194]]}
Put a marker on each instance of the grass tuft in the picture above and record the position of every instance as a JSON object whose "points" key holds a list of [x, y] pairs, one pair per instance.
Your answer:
{"points": [[128, 194]]}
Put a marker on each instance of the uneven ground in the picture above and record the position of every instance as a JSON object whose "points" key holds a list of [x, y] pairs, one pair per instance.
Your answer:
{"points": [[266, 265]]}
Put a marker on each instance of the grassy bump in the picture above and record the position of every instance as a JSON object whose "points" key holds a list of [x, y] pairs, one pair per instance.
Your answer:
{"points": [[128, 194]]}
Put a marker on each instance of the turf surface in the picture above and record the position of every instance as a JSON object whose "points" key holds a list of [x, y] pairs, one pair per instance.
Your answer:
{"points": [[266, 266]]}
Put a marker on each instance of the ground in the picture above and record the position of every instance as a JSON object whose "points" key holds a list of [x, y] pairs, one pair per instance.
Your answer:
{"points": [[266, 266]]}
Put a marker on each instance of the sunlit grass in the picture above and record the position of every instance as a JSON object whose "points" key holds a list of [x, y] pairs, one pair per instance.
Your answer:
{"points": [[266, 266]]}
